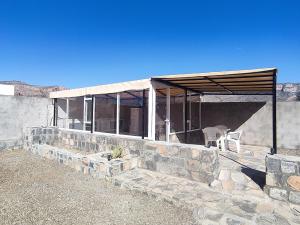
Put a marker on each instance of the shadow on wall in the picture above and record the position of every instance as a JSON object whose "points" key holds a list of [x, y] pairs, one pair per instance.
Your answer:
{"points": [[229, 114]]}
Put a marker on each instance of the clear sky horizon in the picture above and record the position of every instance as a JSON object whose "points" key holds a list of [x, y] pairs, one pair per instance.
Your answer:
{"points": [[85, 43]]}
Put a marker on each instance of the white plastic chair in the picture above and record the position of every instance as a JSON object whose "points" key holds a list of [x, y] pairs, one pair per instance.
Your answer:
{"points": [[213, 134], [235, 138]]}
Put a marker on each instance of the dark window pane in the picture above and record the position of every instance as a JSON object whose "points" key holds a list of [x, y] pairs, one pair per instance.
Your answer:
{"points": [[131, 113], [76, 113], [160, 116], [62, 113], [106, 113]]}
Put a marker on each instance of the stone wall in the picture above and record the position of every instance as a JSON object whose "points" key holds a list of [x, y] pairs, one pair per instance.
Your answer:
{"points": [[190, 161], [283, 178]]}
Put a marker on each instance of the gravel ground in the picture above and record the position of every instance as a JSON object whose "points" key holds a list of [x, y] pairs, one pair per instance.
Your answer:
{"points": [[39, 191]]}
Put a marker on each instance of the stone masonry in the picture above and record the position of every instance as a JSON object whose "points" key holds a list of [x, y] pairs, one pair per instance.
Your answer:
{"points": [[193, 162], [283, 178]]}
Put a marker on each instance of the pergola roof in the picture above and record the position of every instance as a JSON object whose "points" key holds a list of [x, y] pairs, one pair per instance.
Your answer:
{"points": [[257, 81]]}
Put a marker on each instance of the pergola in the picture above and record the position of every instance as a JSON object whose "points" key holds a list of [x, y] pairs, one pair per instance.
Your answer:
{"points": [[242, 82]]}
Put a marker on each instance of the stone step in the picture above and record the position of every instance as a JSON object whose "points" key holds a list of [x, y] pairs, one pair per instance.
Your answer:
{"points": [[210, 206]]}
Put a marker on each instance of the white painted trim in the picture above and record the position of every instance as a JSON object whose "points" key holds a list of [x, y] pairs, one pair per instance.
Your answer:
{"points": [[154, 114], [151, 112], [103, 89]]}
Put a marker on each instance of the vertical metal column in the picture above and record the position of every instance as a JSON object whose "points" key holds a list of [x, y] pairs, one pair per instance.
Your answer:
{"points": [[274, 116], [168, 107], [185, 116], [118, 114], [67, 114], [143, 114], [55, 112], [93, 114]]}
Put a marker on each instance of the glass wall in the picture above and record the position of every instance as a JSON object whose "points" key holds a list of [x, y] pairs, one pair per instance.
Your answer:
{"points": [[106, 113], [132, 115], [194, 112], [62, 115], [76, 106], [160, 116], [177, 108]]}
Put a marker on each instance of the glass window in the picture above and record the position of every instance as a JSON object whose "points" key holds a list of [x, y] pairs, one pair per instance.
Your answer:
{"points": [[61, 113], [194, 112], [177, 111], [160, 116], [76, 113], [106, 113], [131, 113]]}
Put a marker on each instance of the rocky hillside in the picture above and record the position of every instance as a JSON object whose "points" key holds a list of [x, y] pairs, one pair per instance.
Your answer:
{"points": [[24, 89], [285, 92], [288, 92]]}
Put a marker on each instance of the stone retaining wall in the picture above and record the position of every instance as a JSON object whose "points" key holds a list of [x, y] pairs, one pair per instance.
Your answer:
{"points": [[194, 162], [283, 177], [11, 144], [95, 165]]}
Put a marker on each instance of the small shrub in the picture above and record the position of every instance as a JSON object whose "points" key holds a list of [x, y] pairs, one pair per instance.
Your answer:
{"points": [[117, 152]]}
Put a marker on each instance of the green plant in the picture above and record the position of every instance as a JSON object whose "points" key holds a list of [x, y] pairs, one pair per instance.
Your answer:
{"points": [[117, 152]]}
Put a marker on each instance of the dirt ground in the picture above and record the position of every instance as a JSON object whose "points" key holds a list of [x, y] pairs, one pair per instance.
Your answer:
{"points": [[39, 191]]}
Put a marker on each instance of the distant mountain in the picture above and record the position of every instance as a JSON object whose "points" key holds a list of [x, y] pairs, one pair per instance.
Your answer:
{"points": [[288, 92], [24, 89], [285, 92]]}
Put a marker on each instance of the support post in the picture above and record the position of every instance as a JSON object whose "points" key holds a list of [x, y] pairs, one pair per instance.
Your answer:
{"points": [[185, 116], [143, 114], [84, 114], [151, 112], [118, 114], [274, 116], [67, 114], [168, 114], [55, 112], [93, 114]]}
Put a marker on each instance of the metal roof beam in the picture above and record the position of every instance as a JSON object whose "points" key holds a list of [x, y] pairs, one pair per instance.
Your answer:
{"points": [[248, 93], [225, 88], [176, 85], [219, 78]]}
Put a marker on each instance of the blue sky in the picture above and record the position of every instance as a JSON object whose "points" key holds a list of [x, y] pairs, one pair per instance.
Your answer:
{"points": [[83, 43]]}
